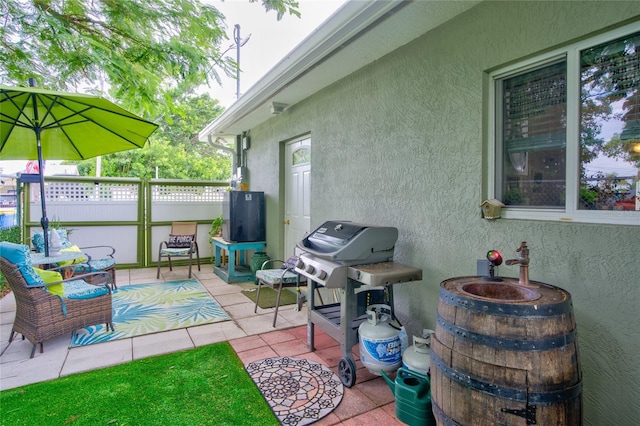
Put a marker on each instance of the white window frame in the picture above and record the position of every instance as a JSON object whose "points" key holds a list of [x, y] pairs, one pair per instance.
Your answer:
{"points": [[570, 213]]}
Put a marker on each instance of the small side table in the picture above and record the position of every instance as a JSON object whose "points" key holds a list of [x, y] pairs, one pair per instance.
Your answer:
{"points": [[39, 259], [233, 273]]}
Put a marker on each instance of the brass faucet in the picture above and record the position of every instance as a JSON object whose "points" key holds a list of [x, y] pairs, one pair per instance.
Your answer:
{"points": [[523, 261]]}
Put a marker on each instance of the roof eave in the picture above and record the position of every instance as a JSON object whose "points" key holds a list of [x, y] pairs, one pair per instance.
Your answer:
{"points": [[286, 82]]}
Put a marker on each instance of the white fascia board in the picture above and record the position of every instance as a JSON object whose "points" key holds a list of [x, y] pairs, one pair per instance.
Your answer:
{"points": [[346, 24]]}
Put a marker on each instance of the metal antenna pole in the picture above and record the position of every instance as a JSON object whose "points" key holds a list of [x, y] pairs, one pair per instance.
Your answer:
{"points": [[238, 44], [236, 37]]}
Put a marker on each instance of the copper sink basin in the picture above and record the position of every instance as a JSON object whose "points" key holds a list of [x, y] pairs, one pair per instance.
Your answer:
{"points": [[499, 291]]}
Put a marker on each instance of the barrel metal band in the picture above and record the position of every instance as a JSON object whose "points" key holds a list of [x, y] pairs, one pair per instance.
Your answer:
{"points": [[446, 420], [505, 392], [505, 343], [505, 309]]}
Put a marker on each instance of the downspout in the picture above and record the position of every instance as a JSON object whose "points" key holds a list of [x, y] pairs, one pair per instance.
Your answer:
{"points": [[234, 154]]}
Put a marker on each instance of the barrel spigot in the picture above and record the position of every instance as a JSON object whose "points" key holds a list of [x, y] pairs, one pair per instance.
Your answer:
{"points": [[523, 261]]}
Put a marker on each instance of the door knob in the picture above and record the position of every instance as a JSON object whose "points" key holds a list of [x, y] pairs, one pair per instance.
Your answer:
{"points": [[287, 222]]}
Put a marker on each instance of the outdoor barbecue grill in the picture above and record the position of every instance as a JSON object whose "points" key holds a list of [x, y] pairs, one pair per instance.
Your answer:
{"points": [[357, 259]]}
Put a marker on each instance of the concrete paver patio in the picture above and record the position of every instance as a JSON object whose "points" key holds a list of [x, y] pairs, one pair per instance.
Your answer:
{"points": [[369, 401]]}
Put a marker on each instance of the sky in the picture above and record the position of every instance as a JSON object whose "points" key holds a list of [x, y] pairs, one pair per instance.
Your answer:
{"points": [[270, 40]]}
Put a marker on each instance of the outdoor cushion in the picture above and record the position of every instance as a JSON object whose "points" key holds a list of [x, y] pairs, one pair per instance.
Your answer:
{"points": [[179, 241], [79, 289], [20, 255], [272, 276], [95, 265], [51, 277], [75, 248], [175, 251], [38, 240], [290, 263]]}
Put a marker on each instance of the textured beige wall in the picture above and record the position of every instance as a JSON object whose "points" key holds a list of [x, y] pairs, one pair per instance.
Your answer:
{"points": [[400, 143]]}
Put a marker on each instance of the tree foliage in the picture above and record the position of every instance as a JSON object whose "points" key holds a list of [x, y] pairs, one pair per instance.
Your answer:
{"points": [[149, 56], [610, 74], [173, 151], [144, 52]]}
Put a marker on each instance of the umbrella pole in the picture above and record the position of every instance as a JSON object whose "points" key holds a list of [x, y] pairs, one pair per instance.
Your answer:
{"points": [[44, 221]]}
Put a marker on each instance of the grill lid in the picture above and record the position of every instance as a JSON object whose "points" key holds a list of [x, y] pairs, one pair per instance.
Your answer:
{"points": [[351, 243]]}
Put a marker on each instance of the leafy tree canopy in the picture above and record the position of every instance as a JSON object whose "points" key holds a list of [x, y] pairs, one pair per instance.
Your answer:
{"points": [[173, 151], [149, 56], [144, 51]]}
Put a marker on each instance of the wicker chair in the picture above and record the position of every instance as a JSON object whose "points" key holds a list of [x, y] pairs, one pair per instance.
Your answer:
{"points": [[98, 258], [41, 316]]}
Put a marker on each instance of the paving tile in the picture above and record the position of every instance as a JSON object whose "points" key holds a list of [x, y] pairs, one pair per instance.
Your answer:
{"points": [[261, 324], [214, 333], [147, 273], [99, 355], [291, 348], [390, 408], [161, 343], [294, 317], [363, 374], [354, 403], [218, 287], [256, 354], [8, 303], [329, 420], [278, 336], [331, 355], [300, 332], [374, 417], [311, 356], [377, 390], [247, 343], [233, 299], [323, 341], [18, 369], [244, 310]]}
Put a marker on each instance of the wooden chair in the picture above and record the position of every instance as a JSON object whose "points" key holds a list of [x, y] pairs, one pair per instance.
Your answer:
{"points": [[41, 315], [277, 279], [182, 242]]}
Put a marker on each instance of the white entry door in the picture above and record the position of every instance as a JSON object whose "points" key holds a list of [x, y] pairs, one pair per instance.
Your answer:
{"points": [[297, 215]]}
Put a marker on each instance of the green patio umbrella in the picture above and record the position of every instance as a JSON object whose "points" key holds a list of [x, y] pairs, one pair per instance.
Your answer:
{"points": [[39, 124]]}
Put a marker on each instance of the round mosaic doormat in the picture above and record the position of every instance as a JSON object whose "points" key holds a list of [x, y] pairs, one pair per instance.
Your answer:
{"points": [[299, 391]]}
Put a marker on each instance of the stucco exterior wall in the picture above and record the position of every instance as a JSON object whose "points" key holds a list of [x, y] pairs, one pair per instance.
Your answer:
{"points": [[401, 143]]}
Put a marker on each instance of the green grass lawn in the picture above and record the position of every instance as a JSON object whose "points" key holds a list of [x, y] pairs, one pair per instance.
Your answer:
{"points": [[202, 386]]}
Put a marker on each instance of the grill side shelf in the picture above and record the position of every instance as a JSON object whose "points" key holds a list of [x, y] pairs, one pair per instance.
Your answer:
{"points": [[384, 273]]}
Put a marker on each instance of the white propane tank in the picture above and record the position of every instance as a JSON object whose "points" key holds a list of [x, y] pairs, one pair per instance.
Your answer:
{"points": [[416, 357], [379, 342]]}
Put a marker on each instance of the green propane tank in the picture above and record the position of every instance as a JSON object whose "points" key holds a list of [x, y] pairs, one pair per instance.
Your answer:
{"points": [[256, 261], [413, 397]]}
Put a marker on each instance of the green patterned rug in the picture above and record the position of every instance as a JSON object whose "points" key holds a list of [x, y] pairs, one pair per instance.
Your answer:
{"points": [[151, 308]]}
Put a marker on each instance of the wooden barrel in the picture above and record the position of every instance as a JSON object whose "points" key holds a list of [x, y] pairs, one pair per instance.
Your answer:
{"points": [[505, 354]]}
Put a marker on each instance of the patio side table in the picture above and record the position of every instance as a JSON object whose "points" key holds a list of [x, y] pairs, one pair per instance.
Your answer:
{"points": [[39, 259], [233, 272]]}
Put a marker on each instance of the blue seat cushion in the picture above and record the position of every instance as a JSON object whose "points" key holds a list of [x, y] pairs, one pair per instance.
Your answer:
{"points": [[175, 251], [79, 289], [38, 239], [20, 255], [96, 265], [272, 276]]}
